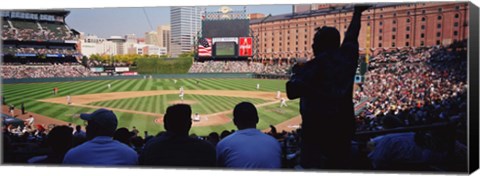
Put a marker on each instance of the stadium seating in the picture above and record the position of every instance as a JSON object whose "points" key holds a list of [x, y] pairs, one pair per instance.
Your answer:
{"points": [[238, 67]]}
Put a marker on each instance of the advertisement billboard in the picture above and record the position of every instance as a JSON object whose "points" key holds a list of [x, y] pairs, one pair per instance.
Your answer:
{"points": [[245, 46], [121, 69]]}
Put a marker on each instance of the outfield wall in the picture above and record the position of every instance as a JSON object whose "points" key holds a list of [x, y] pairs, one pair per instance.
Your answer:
{"points": [[156, 76]]}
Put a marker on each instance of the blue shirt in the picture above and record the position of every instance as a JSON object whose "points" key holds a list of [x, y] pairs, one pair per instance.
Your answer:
{"points": [[101, 150], [400, 147], [249, 148]]}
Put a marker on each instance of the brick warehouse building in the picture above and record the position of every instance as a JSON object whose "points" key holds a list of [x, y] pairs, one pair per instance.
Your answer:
{"points": [[389, 25]]}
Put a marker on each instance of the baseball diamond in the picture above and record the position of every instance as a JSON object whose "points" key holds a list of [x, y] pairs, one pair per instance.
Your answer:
{"points": [[142, 102]]}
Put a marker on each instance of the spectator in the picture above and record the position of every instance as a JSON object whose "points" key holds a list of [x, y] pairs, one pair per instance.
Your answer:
{"points": [[123, 135], [59, 140], [248, 147], [213, 138], [324, 86], [79, 132], [175, 147], [101, 149]]}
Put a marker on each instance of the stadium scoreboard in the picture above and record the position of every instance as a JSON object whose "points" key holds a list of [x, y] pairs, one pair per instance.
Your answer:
{"points": [[225, 35]]}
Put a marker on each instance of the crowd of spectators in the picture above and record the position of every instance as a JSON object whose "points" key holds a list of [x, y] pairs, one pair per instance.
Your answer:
{"points": [[403, 93], [55, 70], [38, 51], [239, 67], [35, 31], [417, 93]]}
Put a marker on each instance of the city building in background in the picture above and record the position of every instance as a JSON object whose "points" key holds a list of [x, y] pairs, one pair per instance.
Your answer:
{"points": [[92, 44], [389, 26], [119, 41], [151, 38], [163, 33], [146, 49], [185, 24]]}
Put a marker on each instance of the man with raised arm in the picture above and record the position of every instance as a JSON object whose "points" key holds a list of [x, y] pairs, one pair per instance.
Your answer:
{"points": [[324, 86]]}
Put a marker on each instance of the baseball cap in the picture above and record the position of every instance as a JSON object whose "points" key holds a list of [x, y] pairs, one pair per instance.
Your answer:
{"points": [[104, 118]]}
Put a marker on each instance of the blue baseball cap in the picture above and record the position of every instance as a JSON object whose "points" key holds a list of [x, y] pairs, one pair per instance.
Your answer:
{"points": [[104, 118]]}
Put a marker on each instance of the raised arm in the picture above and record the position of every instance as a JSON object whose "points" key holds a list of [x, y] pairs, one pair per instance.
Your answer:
{"points": [[354, 28]]}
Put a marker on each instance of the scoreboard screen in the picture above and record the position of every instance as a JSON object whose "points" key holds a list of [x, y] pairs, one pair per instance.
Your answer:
{"points": [[225, 28], [225, 49]]}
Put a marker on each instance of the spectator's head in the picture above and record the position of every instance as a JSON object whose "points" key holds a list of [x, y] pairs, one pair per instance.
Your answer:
{"points": [[60, 139], [213, 138], [224, 134], [245, 115], [78, 128], [102, 122], [325, 39], [178, 119], [123, 135]]}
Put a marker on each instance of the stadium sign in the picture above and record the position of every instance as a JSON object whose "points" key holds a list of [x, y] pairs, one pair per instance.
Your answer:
{"points": [[25, 55], [96, 69], [70, 41], [245, 46], [225, 39], [121, 69], [55, 55]]}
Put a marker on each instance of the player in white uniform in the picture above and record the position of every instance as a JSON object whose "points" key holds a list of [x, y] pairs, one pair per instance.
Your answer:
{"points": [[258, 86], [109, 86], [182, 93], [278, 95], [283, 102], [175, 81], [196, 117], [69, 99], [30, 120]]}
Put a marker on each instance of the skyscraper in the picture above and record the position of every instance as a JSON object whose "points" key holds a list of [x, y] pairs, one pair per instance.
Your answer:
{"points": [[185, 23], [163, 32]]}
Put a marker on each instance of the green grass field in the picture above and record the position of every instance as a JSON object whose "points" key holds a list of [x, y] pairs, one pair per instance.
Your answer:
{"points": [[205, 104]]}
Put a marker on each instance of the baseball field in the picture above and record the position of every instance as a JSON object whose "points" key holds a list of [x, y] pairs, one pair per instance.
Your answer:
{"points": [[141, 103]]}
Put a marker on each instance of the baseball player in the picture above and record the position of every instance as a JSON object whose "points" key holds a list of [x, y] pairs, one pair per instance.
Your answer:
{"points": [[283, 102], [258, 86], [182, 93], [278, 95], [175, 81], [69, 99], [196, 117], [109, 86], [29, 121]]}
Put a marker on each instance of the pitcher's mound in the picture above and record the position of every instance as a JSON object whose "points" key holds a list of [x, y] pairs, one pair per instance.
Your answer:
{"points": [[190, 102]]}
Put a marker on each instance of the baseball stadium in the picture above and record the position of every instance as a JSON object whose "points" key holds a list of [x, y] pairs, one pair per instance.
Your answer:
{"points": [[413, 95]]}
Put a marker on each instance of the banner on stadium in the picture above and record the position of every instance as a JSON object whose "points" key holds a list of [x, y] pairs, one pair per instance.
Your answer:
{"points": [[70, 41], [96, 69], [130, 73], [245, 46], [204, 47], [25, 55], [225, 39], [55, 55], [121, 69]]}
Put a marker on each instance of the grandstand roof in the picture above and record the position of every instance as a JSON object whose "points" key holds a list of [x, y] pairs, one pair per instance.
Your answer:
{"points": [[287, 16], [51, 11]]}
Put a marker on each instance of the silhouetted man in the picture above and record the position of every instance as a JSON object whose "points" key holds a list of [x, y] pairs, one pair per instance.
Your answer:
{"points": [[101, 149], [175, 147], [248, 147], [324, 86], [59, 140]]}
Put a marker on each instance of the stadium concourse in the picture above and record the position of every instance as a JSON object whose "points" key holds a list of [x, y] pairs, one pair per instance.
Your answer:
{"points": [[409, 88]]}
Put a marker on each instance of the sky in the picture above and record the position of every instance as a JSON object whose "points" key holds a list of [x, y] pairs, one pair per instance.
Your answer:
{"points": [[106, 22]]}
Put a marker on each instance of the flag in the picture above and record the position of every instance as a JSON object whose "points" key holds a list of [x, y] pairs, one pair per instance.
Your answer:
{"points": [[205, 47]]}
